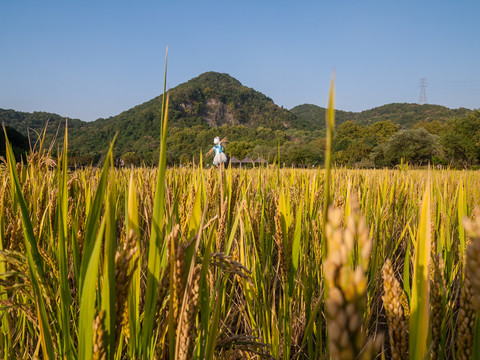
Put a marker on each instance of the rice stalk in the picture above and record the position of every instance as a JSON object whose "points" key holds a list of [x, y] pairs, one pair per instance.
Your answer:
{"points": [[397, 324]]}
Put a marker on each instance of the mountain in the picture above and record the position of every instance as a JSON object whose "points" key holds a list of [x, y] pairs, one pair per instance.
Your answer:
{"points": [[404, 115], [33, 123], [209, 100], [197, 108], [314, 116], [217, 99]]}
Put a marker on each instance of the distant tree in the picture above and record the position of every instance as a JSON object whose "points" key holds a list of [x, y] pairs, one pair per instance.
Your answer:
{"points": [[353, 143], [302, 154], [378, 155], [356, 151], [346, 133], [132, 158], [266, 152], [264, 133], [376, 134], [416, 146], [239, 149], [434, 127], [461, 139], [81, 160], [381, 131]]}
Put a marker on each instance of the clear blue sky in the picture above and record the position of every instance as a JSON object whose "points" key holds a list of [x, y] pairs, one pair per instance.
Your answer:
{"points": [[91, 59]]}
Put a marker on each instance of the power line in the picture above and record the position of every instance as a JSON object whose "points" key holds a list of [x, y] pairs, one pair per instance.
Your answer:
{"points": [[423, 94], [462, 85]]}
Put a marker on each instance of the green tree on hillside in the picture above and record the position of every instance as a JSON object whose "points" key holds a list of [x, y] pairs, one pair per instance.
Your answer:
{"points": [[461, 139], [353, 143], [380, 132], [239, 149], [348, 144], [434, 127], [416, 146]]}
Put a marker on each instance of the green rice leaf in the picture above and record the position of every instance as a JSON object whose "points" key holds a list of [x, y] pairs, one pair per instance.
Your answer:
{"points": [[156, 248], [132, 220], [330, 122], [88, 299], [93, 216], [420, 300], [62, 255], [296, 246], [108, 290]]}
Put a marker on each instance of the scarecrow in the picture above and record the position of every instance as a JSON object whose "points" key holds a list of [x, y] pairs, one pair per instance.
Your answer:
{"points": [[220, 157]]}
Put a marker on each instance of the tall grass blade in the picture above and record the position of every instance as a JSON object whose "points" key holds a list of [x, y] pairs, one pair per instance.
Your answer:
{"points": [[88, 298], [156, 251], [108, 290], [330, 122], [420, 301], [296, 247], [4, 327], [132, 219], [462, 212], [91, 224], [62, 211]]}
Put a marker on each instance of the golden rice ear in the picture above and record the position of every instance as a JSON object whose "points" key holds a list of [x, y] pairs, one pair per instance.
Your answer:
{"points": [[469, 299], [392, 302], [473, 256], [438, 313], [99, 337], [124, 271], [465, 321], [186, 332], [346, 286]]}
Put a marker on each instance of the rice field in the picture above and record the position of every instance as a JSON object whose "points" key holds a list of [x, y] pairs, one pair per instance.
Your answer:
{"points": [[237, 264], [266, 263]]}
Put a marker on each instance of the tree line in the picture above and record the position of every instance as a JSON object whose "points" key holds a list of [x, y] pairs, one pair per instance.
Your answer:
{"points": [[455, 142]]}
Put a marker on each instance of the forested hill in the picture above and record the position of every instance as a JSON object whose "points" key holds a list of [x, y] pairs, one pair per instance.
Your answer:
{"points": [[209, 100], [215, 104], [24, 122], [314, 116], [404, 115], [217, 99]]}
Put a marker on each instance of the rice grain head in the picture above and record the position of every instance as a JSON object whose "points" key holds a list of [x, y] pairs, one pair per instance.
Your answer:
{"points": [[473, 257], [437, 313], [392, 302], [123, 278], [99, 337], [469, 298], [186, 331], [465, 321], [222, 226], [279, 241], [347, 285]]}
